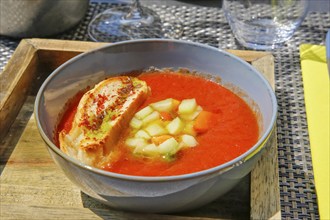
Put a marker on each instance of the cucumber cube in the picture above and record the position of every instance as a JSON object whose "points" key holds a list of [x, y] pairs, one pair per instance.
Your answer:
{"points": [[189, 140], [136, 142], [152, 117], [151, 149], [193, 115], [154, 129], [142, 134], [163, 106], [170, 146], [189, 128], [144, 112], [175, 126], [135, 123], [187, 106]]}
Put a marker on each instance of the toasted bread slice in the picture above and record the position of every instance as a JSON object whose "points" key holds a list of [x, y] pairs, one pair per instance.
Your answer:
{"points": [[102, 114]]}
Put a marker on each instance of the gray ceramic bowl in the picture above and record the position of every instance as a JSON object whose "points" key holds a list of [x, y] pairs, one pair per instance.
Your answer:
{"points": [[153, 194]]}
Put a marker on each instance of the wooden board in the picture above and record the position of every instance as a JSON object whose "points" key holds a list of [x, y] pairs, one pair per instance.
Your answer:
{"points": [[33, 187]]}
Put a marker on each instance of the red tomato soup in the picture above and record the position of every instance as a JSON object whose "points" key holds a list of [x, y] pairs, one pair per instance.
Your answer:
{"points": [[232, 130]]}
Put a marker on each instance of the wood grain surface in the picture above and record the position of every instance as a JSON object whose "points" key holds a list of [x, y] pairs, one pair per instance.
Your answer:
{"points": [[33, 187]]}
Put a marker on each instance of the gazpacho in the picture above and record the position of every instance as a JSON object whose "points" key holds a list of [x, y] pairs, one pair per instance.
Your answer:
{"points": [[162, 123]]}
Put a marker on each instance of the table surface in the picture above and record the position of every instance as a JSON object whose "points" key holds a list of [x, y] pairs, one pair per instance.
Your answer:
{"points": [[205, 23]]}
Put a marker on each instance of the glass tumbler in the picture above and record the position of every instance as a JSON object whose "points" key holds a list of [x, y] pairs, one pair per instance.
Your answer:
{"points": [[264, 24]]}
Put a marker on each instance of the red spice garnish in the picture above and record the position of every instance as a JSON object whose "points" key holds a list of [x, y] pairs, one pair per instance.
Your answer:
{"points": [[101, 110], [125, 90], [100, 103]]}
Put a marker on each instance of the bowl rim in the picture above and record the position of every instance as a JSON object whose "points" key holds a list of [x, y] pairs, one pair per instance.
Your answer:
{"points": [[217, 169]]}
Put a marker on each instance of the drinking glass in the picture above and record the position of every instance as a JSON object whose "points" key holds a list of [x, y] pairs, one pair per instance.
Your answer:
{"points": [[264, 24], [132, 22]]}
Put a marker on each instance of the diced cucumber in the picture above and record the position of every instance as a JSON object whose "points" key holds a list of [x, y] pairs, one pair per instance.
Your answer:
{"points": [[142, 134], [154, 136], [155, 129], [193, 115], [151, 149], [144, 112], [175, 126], [163, 106], [152, 117], [187, 106], [170, 146], [135, 123], [189, 128], [136, 142], [189, 140]]}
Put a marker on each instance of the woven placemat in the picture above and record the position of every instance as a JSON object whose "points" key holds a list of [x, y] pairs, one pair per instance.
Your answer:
{"points": [[208, 25]]}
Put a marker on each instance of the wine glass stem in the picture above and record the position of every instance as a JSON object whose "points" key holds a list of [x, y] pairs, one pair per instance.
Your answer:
{"points": [[136, 11]]}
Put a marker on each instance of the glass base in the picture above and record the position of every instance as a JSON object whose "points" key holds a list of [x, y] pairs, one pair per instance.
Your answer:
{"points": [[117, 25], [258, 46]]}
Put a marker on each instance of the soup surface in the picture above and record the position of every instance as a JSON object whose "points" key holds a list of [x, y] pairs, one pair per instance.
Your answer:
{"points": [[232, 130]]}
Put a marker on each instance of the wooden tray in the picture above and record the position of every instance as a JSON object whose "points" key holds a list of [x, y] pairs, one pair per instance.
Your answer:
{"points": [[32, 186]]}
